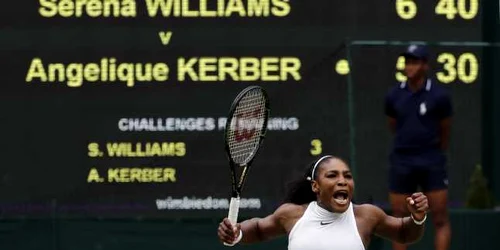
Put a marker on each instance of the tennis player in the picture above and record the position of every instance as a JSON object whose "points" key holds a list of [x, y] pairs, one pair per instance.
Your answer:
{"points": [[318, 215], [419, 113]]}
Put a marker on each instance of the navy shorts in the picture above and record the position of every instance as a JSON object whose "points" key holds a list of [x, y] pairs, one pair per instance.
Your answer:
{"points": [[406, 179]]}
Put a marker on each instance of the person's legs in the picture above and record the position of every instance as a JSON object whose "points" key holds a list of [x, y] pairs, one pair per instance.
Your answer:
{"points": [[438, 205], [401, 185], [436, 189]]}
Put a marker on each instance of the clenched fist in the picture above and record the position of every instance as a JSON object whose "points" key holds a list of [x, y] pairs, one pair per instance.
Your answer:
{"points": [[227, 232], [417, 205]]}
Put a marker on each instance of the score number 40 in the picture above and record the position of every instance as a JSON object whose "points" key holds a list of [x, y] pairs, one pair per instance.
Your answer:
{"points": [[467, 9], [453, 68]]}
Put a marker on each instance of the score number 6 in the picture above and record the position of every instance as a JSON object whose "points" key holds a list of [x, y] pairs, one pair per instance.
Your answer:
{"points": [[406, 9]]}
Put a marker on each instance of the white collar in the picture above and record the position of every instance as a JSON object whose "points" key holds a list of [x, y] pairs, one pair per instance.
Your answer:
{"points": [[327, 215]]}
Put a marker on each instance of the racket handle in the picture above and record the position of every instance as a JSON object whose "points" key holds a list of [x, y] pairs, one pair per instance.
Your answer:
{"points": [[234, 207]]}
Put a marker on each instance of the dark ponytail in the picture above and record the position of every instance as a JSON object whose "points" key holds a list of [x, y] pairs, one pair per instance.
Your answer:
{"points": [[299, 191]]}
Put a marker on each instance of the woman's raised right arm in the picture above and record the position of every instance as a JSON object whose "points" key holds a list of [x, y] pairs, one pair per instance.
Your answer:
{"points": [[258, 229]]}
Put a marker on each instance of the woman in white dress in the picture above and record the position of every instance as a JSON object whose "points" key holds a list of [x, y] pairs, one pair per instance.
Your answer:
{"points": [[318, 215]]}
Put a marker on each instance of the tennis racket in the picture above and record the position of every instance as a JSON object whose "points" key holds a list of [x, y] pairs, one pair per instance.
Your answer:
{"points": [[246, 127]]}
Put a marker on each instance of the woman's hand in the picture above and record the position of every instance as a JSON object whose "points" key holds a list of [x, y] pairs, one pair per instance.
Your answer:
{"points": [[227, 232], [417, 205]]}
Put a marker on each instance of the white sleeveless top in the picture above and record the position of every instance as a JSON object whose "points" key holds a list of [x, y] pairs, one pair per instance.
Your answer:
{"points": [[319, 229]]}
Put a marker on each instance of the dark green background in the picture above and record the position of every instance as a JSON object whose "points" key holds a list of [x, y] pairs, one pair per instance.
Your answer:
{"points": [[46, 128], [34, 171]]}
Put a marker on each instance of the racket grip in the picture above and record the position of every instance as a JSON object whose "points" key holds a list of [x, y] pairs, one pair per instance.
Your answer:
{"points": [[234, 207]]}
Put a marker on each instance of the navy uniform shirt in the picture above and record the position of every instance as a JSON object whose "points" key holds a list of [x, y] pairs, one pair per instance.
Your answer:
{"points": [[418, 115]]}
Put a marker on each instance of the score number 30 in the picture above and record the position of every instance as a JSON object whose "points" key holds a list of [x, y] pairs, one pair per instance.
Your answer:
{"points": [[467, 9], [453, 68]]}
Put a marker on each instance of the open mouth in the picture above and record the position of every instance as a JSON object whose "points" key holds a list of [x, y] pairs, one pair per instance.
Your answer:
{"points": [[340, 197]]}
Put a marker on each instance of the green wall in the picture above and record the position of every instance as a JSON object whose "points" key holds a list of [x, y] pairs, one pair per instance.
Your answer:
{"points": [[472, 230], [491, 96]]}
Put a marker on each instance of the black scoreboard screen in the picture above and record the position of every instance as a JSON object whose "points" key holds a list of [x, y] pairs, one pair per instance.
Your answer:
{"points": [[116, 108]]}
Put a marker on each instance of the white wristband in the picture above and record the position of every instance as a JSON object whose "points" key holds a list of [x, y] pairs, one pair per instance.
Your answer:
{"points": [[419, 222], [237, 240]]}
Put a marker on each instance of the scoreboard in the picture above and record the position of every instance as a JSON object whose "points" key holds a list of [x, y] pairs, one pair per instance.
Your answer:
{"points": [[116, 108]]}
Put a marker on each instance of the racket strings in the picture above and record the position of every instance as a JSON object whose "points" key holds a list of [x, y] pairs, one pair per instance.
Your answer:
{"points": [[247, 126]]}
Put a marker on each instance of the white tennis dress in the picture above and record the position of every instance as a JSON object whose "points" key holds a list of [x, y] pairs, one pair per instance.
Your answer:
{"points": [[319, 229]]}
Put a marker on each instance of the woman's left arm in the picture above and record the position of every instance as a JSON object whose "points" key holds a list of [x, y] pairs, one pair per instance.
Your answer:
{"points": [[405, 230]]}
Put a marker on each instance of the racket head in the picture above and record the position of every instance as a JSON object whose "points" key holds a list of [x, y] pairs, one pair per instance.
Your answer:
{"points": [[246, 125]]}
